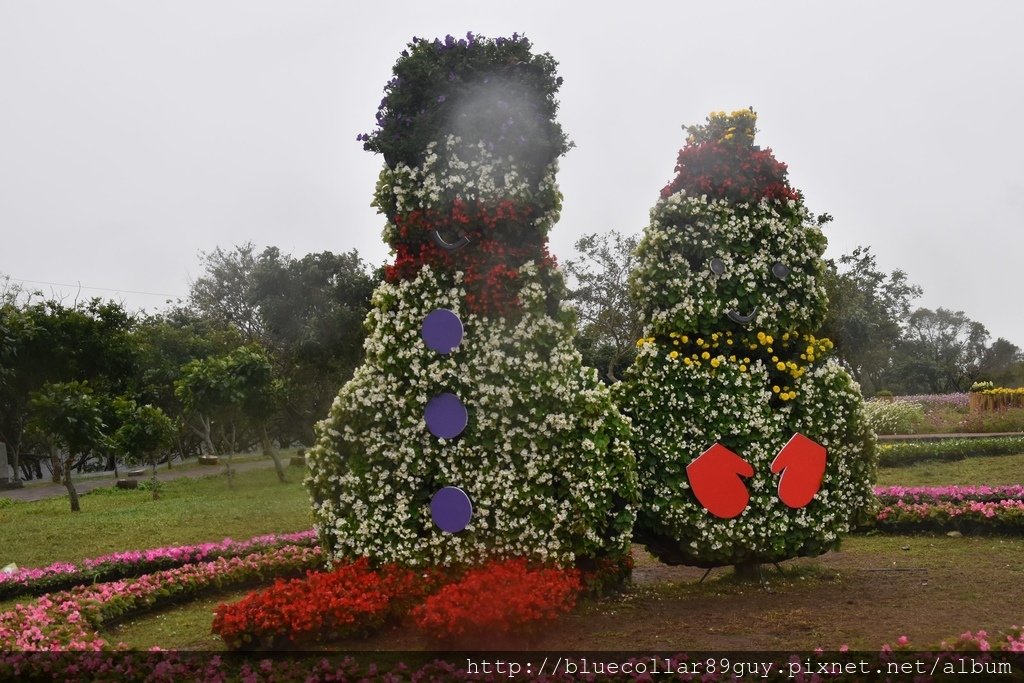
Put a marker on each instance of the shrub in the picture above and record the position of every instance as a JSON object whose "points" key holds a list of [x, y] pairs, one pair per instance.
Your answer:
{"points": [[68, 620], [133, 563], [968, 516], [936, 494], [904, 453], [895, 416]]}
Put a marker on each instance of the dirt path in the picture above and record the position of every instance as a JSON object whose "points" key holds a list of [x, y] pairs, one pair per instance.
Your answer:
{"points": [[90, 483], [872, 592]]}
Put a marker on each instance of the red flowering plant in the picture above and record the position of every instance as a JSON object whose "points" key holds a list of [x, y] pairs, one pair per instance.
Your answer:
{"points": [[503, 238], [720, 160], [499, 599], [351, 599]]}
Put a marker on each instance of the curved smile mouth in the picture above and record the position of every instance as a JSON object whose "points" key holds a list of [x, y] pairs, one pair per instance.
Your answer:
{"points": [[741, 319]]}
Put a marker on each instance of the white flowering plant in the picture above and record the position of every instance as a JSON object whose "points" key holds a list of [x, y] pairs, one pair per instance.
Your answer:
{"points": [[544, 455], [729, 278]]}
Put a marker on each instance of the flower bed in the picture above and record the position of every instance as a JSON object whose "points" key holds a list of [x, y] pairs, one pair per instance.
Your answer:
{"points": [[894, 416], [498, 600], [1004, 516], [62, 575], [997, 398], [936, 494], [351, 599], [904, 453], [957, 400], [68, 620], [967, 649]]}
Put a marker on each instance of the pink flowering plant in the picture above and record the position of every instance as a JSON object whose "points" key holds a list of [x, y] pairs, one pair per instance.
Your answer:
{"points": [[1003, 516], [120, 565], [69, 620], [936, 494]]}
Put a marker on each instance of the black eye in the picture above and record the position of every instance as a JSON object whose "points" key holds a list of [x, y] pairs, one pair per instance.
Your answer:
{"points": [[780, 271], [717, 266]]}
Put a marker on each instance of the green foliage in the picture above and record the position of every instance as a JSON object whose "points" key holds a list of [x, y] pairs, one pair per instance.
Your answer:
{"points": [[867, 311], [207, 387], [476, 88], [237, 388], [66, 415], [144, 430], [165, 343], [903, 453], [941, 352], [894, 416], [306, 313], [610, 323], [49, 343]]}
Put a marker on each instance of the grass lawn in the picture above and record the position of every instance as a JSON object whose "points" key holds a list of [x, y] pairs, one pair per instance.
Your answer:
{"points": [[935, 587], [188, 511], [1000, 469]]}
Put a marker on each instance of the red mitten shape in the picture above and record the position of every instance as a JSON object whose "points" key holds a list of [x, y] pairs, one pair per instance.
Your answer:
{"points": [[802, 463], [715, 480]]}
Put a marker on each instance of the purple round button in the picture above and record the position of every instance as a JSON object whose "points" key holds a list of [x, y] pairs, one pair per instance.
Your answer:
{"points": [[442, 330], [451, 509], [445, 416]]}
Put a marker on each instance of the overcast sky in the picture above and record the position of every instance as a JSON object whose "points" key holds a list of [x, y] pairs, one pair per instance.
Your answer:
{"points": [[134, 135]]}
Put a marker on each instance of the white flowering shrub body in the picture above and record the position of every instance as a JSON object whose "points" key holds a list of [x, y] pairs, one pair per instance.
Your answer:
{"points": [[545, 457], [731, 292]]}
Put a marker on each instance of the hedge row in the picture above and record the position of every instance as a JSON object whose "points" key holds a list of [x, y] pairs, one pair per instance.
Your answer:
{"points": [[905, 453]]}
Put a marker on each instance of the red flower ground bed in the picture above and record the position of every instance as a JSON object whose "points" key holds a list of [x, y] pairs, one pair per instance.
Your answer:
{"points": [[350, 600], [500, 598]]}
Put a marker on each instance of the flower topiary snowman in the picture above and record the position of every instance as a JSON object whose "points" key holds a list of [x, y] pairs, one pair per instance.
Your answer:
{"points": [[472, 431], [751, 443]]}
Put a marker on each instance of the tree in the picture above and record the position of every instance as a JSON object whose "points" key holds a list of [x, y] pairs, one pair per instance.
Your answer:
{"points": [[66, 417], [1002, 364], [235, 389], [941, 352], [144, 430], [313, 310], [224, 293], [166, 343], [47, 341], [257, 395], [207, 392], [307, 313], [867, 313], [610, 323]]}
